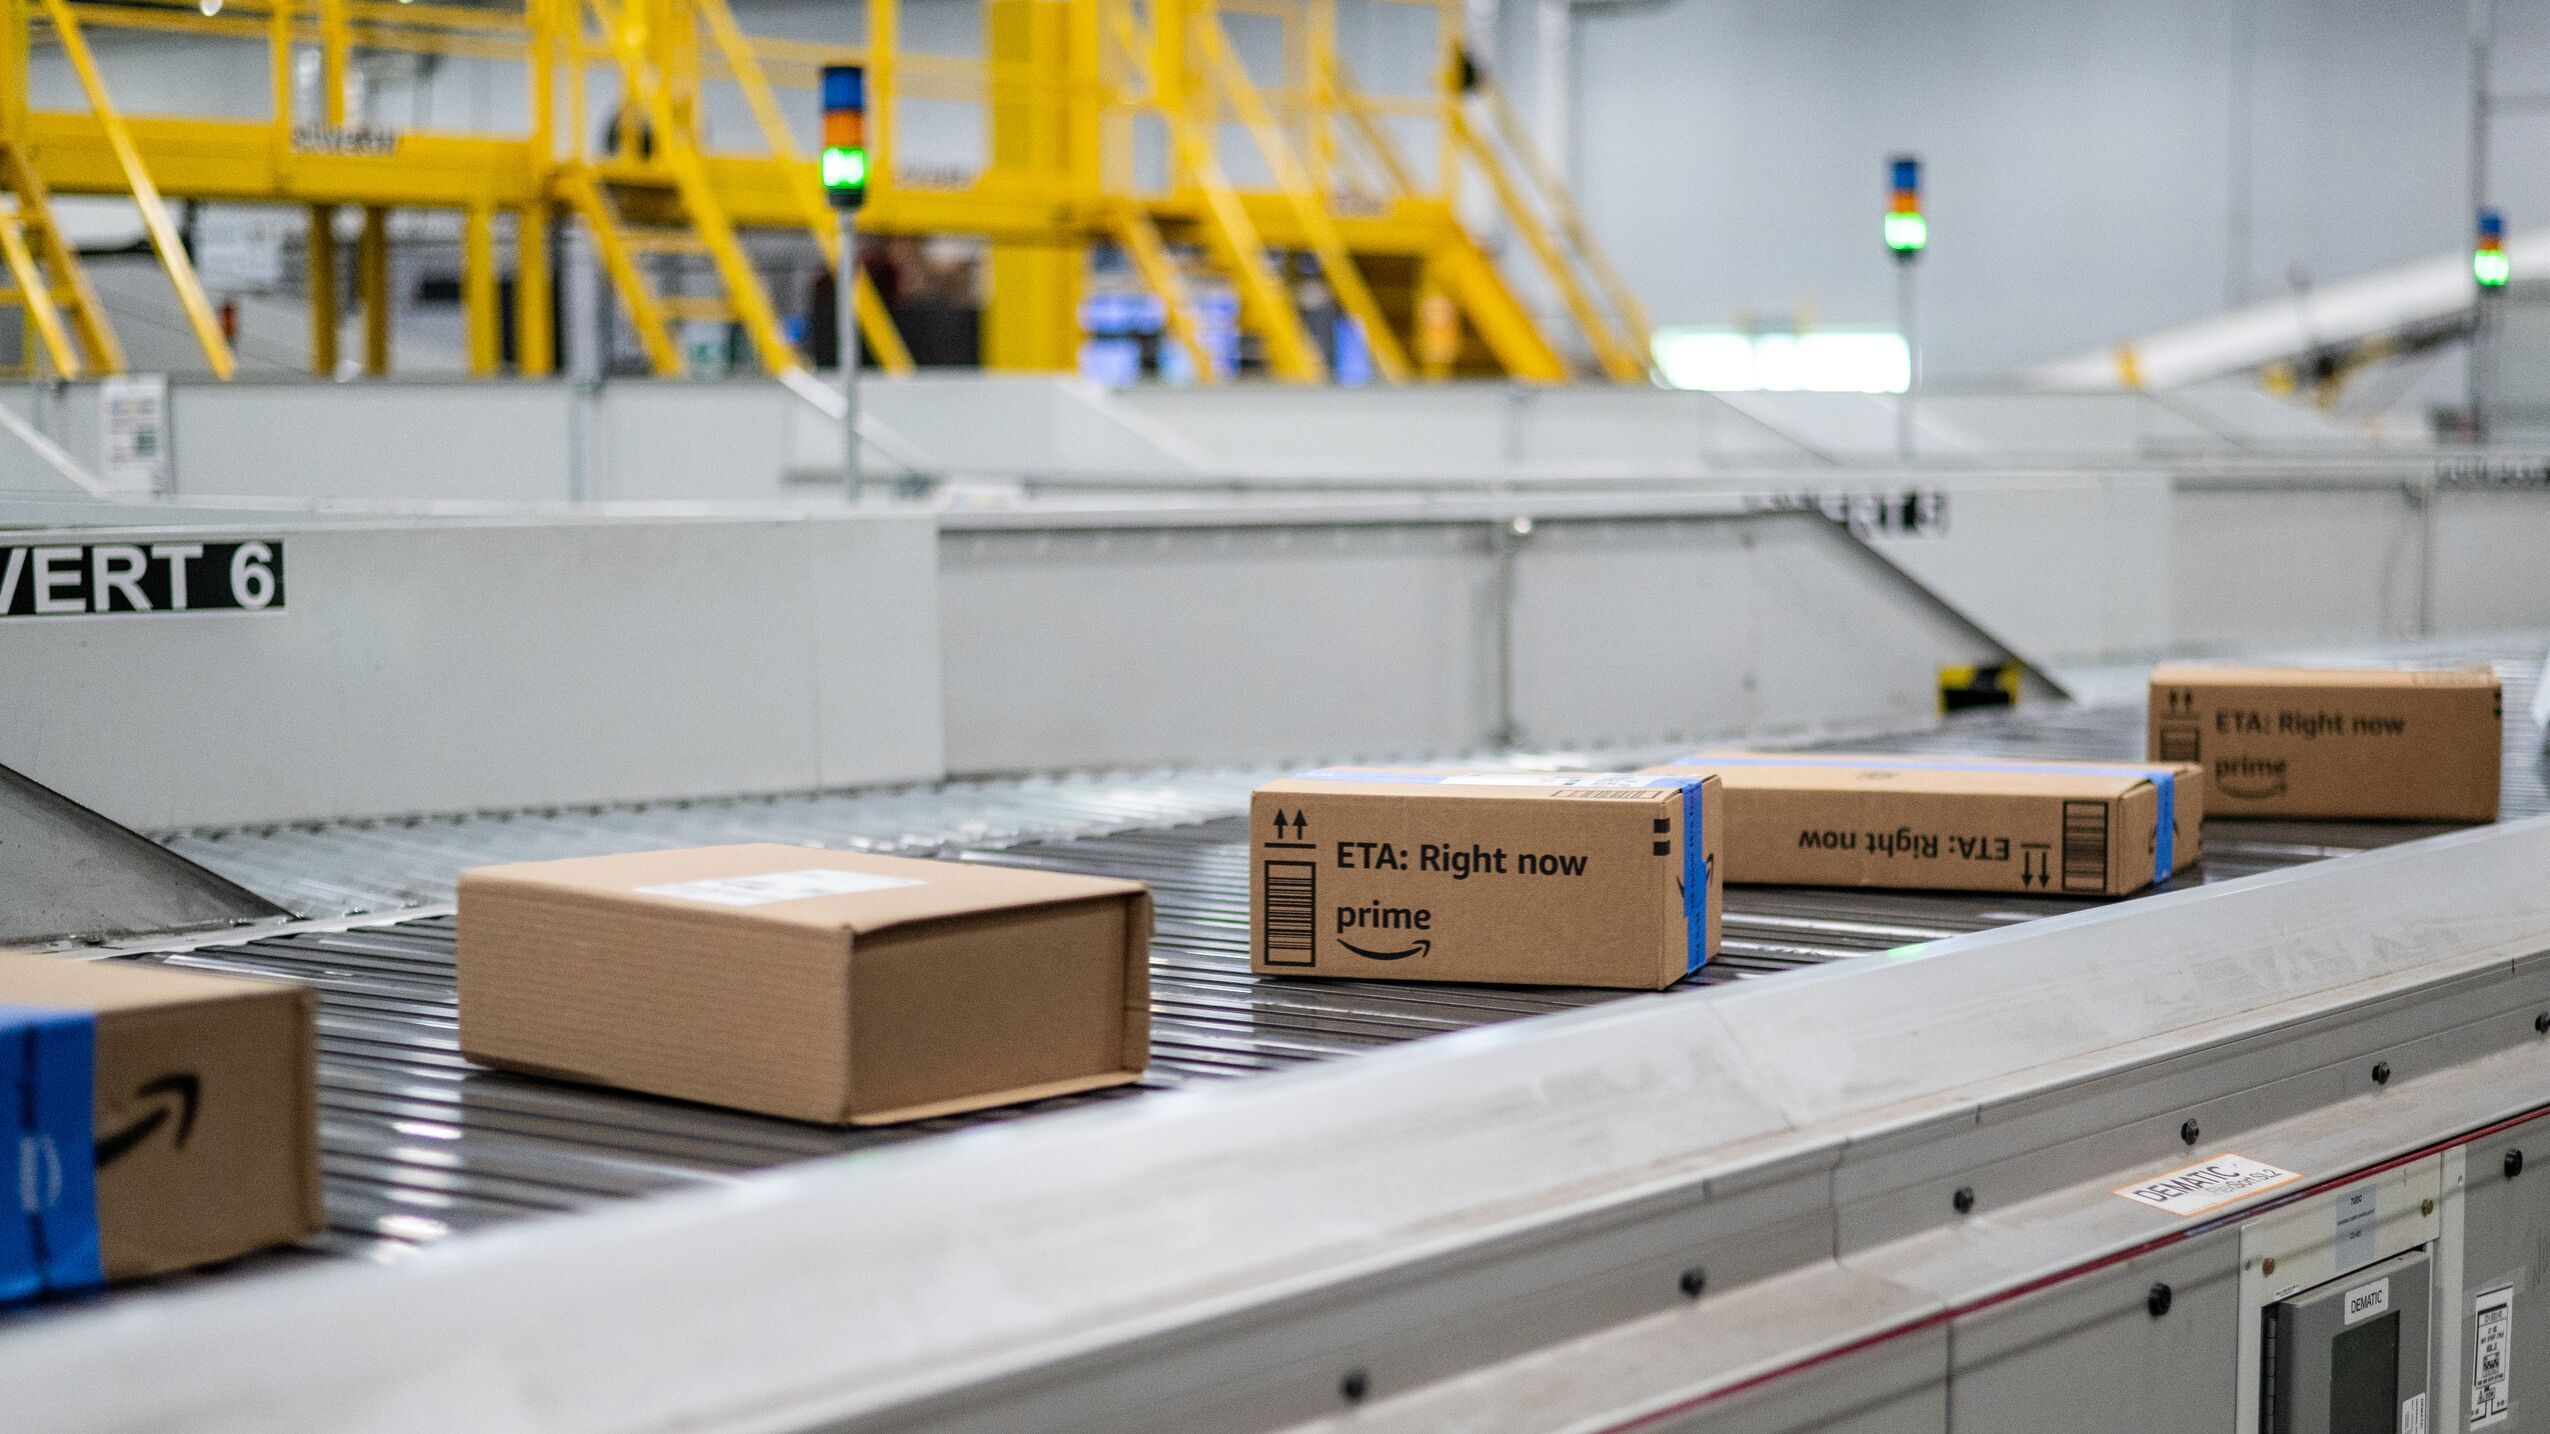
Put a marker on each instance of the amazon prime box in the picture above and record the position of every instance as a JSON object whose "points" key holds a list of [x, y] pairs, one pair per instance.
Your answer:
{"points": [[150, 1119], [2324, 742], [1516, 877], [1954, 823]]}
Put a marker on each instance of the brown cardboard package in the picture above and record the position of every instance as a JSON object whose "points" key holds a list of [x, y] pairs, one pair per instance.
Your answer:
{"points": [[2325, 742], [1527, 879], [197, 1125], [821, 985], [1954, 823]]}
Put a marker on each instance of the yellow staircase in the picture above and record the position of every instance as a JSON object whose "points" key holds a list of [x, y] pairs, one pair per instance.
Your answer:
{"points": [[47, 283]]}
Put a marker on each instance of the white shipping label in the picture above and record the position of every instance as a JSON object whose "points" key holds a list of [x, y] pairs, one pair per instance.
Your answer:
{"points": [[2215, 1183], [2492, 1357], [774, 886], [2365, 1301], [2412, 1414]]}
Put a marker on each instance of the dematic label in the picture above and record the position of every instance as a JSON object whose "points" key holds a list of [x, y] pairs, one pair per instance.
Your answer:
{"points": [[2200, 1188], [114, 579], [2367, 1300]]}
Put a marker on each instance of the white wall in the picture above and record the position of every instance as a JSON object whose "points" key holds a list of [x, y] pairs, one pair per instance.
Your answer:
{"points": [[2078, 156]]}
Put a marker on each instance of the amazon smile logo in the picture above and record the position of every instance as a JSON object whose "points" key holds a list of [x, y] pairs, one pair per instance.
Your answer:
{"points": [[180, 1093], [1419, 949]]}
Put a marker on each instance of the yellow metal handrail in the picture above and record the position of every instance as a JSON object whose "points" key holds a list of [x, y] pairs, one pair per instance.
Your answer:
{"points": [[33, 297], [155, 221], [1554, 195], [700, 201], [1618, 362], [1343, 187], [876, 326], [1335, 263]]}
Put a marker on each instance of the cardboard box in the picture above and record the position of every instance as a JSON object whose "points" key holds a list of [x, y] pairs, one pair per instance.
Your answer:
{"points": [[151, 1120], [1955, 823], [1522, 878], [820, 985], [2324, 742]]}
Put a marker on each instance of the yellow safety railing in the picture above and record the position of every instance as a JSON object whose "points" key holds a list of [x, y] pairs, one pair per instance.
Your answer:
{"points": [[628, 82], [138, 183]]}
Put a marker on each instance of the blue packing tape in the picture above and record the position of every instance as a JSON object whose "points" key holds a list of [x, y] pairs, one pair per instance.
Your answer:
{"points": [[1695, 880], [2163, 780], [48, 1224]]}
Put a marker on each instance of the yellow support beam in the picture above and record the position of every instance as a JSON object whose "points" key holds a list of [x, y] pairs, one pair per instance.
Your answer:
{"points": [[1338, 266], [336, 44], [535, 338], [478, 291], [637, 296], [372, 288], [137, 181], [35, 299], [1141, 241], [323, 286]]}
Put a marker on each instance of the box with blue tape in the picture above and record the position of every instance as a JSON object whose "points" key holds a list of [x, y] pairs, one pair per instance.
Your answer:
{"points": [[2059, 828], [153, 1120], [2363, 744], [1520, 878]]}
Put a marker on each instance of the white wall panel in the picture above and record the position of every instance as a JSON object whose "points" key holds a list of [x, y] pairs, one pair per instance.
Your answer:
{"points": [[2273, 567], [425, 668]]}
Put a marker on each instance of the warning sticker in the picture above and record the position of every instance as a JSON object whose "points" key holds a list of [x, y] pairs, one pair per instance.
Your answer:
{"points": [[2211, 1185], [776, 886], [2492, 1356]]}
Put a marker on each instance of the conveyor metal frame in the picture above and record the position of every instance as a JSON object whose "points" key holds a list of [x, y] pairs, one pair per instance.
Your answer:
{"points": [[1232, 1256]]}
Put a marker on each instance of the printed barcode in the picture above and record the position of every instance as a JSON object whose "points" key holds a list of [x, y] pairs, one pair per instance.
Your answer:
{"points": [[1620, 794], [1288, 922], [2178, 744], [2085, 846]]}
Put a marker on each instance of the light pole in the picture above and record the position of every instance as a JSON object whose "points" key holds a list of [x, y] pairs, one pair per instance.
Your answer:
{"points": [[1907, 234], [845, 182], [2483, 35]]}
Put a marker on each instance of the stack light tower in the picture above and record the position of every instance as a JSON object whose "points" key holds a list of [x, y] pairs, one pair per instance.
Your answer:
{"points": [[1907, 233], [843, 166], [2489, 271], [2489, 266]]}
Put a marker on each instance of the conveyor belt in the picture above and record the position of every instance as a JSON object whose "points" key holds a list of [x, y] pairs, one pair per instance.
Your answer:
{"points": [[420, 1145]]}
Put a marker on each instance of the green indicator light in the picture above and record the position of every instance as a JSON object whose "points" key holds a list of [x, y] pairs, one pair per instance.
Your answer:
{"points": [[2491, 268], [1906, 233], [845, 167]]}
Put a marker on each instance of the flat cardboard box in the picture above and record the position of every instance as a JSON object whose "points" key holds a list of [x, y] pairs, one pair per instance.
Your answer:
{"points": [[1522, 878], [2378, 744], [163, 1119], [819, 985], [1955, 823]]}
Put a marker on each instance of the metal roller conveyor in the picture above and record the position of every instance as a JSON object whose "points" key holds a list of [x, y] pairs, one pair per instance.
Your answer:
{"points": [[421, 1145]]}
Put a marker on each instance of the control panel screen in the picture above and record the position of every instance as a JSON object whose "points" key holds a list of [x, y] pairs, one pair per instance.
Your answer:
{"points": [[2364, 1378]]}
